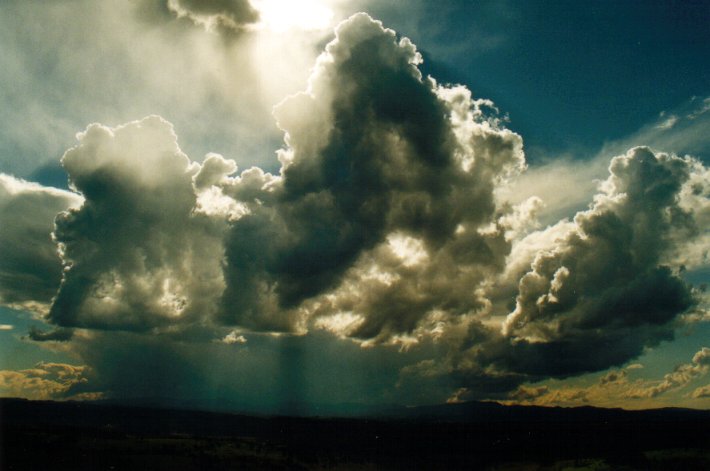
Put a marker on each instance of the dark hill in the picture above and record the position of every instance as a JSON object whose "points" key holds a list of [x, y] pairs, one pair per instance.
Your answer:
{"points": [[91, 436]]}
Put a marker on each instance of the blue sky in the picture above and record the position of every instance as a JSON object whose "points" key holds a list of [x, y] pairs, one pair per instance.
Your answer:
{"points": [[389, 240], [571, 75]]}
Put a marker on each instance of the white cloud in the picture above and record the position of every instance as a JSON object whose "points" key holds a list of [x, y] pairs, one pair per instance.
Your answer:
{"points": [[234, 338]]}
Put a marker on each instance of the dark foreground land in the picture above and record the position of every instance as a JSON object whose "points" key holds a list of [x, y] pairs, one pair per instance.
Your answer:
{"points": [[84, 436]]}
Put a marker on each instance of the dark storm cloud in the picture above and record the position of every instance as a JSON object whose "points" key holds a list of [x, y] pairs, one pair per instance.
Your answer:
{"points": [[384, 210], [287, 374], [374, 152], [383, 226], [30, 267]]}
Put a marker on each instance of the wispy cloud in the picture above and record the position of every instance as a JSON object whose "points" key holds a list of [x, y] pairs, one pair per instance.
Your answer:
{"points": [[667, 123]]}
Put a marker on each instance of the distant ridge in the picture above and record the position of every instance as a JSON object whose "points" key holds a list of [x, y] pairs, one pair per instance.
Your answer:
{"points": [[472, 435], [471, 411]]}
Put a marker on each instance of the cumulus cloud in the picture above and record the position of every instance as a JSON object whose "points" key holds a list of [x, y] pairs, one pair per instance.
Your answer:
{"points": [[384, 225], [588, 294], [679, 377], [137, 255], [605, 281], [30, 268], [616, 387], [375, 155], [702, 392], [234, 338], [44, 381]]}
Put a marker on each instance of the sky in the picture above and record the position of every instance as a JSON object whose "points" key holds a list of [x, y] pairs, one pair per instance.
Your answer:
{"points": [[300, 206]]}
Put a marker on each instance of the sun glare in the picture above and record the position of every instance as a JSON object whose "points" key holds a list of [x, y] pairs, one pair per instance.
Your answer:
{"points": [[284, 15]]}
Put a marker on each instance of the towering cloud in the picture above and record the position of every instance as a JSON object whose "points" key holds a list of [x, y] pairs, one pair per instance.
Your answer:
{"points": [[604, 283], [376, 155], [591, 293], [137, 255], [384, 226]]}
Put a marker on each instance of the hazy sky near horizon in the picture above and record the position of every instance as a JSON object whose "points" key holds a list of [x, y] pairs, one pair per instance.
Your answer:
{"points": [[274, 205]]}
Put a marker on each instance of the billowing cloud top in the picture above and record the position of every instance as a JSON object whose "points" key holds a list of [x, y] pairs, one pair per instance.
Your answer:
{"points": [[383, 226], [135, 255]]}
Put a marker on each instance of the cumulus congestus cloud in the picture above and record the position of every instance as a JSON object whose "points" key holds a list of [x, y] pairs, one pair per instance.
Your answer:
{"points": [[384, 226], [606, 283], [375, 155], [589, 293], [137, 255]]}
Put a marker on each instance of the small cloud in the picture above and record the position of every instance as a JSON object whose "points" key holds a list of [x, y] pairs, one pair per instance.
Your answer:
{"points": [[702, 392], [528, 393], [6, 327], [459, 396], [702, 109], [87, 396], [667, 123], [613, 377], [59, 334], [634, 366], [234, 337]]}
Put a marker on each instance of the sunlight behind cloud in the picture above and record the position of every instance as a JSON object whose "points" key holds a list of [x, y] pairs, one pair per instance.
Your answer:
{"points": [[284, 15]]}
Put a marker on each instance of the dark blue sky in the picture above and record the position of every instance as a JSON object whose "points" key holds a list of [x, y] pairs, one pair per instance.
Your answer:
{"points": [[571, 75]]}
